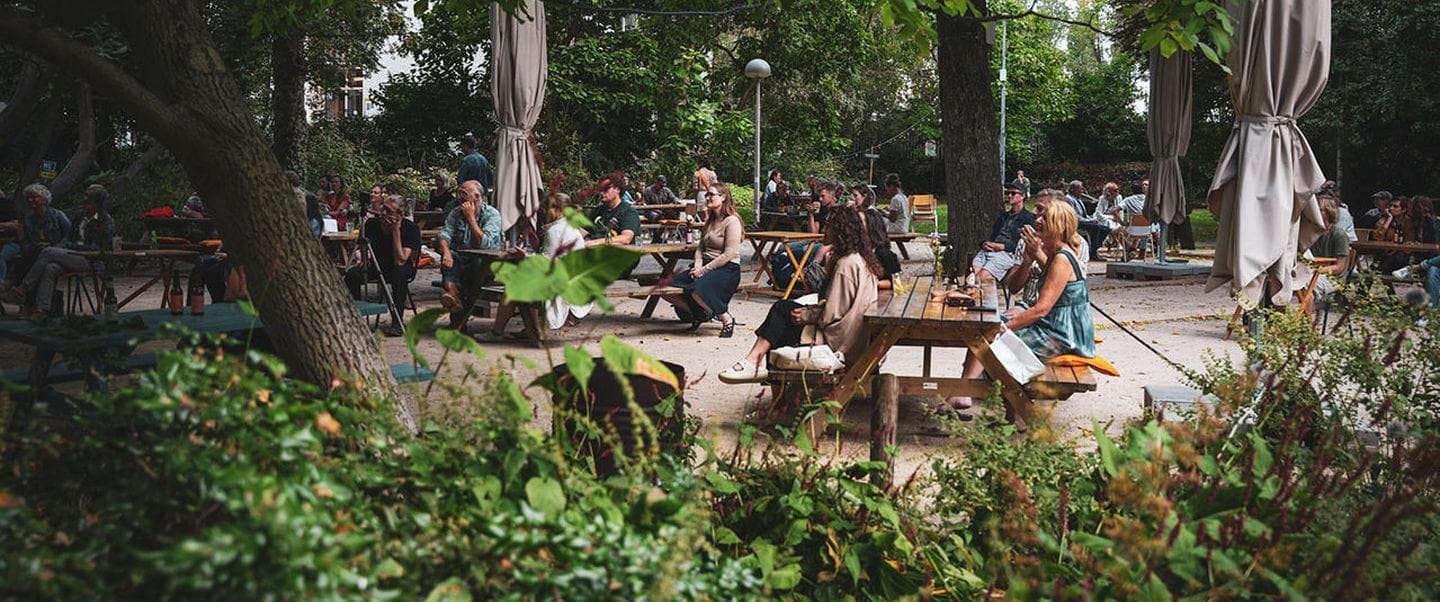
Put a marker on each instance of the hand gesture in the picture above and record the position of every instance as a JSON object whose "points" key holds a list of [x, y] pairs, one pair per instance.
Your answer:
{"points": [[447, 260], [813, 207], [797, 315], [470, 208], [697, 271]]}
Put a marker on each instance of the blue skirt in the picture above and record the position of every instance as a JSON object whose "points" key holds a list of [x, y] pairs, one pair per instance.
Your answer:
{"points": [[715, 288]]}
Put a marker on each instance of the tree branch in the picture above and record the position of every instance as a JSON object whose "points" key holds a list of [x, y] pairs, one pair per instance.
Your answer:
{"points": [[83, 159], [1031, 12], [23, 101], [121, 187], [25, 33]]}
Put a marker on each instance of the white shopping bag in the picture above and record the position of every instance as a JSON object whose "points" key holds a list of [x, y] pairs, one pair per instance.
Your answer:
{"points": [[1016, 356], [809, 357]]}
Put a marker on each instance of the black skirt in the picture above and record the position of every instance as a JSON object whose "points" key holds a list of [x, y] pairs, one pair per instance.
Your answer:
{"points": [[778, 327], [715, 288]]}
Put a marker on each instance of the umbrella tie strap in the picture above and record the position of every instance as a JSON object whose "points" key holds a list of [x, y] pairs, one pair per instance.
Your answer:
{"points": [[1137, 338], [1264, 119], [513, 132]]}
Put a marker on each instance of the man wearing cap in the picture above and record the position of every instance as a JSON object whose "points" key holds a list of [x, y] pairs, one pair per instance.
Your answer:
{"points": [[1372, 217], [997, 255]]}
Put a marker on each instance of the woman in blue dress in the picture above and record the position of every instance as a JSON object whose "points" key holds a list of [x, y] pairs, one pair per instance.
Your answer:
{"points": [[1059, 323]]}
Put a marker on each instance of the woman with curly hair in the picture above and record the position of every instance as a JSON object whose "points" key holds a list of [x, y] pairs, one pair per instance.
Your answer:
{"points": [[838, 319]]}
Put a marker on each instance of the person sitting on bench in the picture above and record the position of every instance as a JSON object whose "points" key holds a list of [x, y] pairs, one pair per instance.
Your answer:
{"points": [[1024, 279], [714, 276], [473, 224], [42, 226], [561, 238], [898, 215], [615, 222], [93, 232], [875, 229], [838, 320], [997, 255], [1059, 323], [394, 244]]}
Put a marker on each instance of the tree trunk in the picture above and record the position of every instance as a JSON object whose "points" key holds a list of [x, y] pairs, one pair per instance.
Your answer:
{"points": [[970, 133], [83, 159], [121, 187], [287, 97], [189, 102], [28, 88]]}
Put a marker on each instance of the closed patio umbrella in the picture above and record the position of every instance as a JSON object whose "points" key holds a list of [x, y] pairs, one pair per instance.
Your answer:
{"points": [[1169, 131], [518, 69], [1263, 193]]}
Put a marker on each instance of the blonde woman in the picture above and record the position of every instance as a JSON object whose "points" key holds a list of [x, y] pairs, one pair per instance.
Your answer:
{"points": [[714, 276], [1059, 322]]}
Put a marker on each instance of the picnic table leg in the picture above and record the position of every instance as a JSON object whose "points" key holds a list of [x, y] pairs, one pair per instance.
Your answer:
{"points": [[903, 252], [882, 427], [799, 265], [859, 369], [1017, 401], [667, 267]]}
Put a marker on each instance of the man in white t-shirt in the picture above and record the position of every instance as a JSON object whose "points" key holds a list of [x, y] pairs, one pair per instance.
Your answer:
{"points": [[898, 215]]}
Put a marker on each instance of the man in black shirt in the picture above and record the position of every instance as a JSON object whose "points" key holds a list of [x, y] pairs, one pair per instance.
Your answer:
{"points": [[997, 255], [394, 244]]}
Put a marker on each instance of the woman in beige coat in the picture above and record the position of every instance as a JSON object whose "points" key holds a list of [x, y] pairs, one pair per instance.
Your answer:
{"points": [[838, 320]]}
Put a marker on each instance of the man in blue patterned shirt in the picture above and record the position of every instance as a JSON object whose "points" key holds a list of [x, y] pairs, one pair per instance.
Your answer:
{"points": [[41, 227], [473, 224]]}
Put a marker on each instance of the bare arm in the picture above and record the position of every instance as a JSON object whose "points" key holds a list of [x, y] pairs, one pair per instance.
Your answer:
{"points": [[1057, 275]]}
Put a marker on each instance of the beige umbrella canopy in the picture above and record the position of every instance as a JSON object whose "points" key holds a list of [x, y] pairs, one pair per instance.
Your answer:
{"points": [[518, 68], [1264, 188], [1169, 131]]}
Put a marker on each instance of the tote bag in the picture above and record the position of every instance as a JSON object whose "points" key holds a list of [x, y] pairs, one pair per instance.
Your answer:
{"points": [[1016, 356]]}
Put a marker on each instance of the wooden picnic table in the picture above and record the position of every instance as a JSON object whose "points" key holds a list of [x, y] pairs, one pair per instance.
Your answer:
{"points": [[775, 220], [345, 242], [180, 225], [118, 334], [777, 241], [668, 255], [169, 258], [1376, 247], [914, 318], [664, 206], [428, 218]]}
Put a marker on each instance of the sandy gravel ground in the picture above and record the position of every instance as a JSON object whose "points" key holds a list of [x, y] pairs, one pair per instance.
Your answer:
{"points": [[1177, 317]]}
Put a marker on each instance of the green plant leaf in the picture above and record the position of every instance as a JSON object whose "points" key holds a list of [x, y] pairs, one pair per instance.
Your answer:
{"points": [[246, 307], [621, 359], [784, 578], [720, 483], [459, 342], [450, 590], [545, 495], [592, 269], [1109, 454], [725, 537], [416, 328], [581, 365]]}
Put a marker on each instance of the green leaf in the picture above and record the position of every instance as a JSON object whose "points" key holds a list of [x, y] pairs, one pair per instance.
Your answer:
{"points": [[1263, 459], [390, 569], [449, 590], [459, 342], [622, 359], [784, 578], [1109, 454], [246, 307], [1154, 590], [721, 484], [545, 495], [725, 537], [1168, 47], [581, 365], [592, 269], [416, 328]]}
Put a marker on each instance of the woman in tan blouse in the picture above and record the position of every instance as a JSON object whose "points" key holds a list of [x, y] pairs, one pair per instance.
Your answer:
{"points": [[713, 278], [838, 320]]}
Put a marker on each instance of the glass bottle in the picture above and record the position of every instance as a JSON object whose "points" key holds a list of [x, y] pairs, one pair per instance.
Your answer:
{"points": [[177, 296]]}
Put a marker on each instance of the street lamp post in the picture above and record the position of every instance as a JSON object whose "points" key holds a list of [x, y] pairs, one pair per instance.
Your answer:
{"points": [[757, 69]]}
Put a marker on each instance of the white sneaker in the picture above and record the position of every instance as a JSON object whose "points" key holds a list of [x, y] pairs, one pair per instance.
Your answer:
{"points": [[743, 372]]}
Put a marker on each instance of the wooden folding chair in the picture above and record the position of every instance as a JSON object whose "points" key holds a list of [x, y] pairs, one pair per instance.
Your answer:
{"points": [[922, 209]]}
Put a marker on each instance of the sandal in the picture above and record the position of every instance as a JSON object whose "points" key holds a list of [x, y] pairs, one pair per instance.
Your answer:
{"points": [[727, 330], [450, 302], [744, 372]]}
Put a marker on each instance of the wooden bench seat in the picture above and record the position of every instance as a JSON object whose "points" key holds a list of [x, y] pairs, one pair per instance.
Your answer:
{"points": [[903, 237], [642, 293], [1058, 382], [63, 372]]}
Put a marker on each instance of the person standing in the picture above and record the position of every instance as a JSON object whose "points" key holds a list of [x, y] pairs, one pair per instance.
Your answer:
{"points": [[1021, 182], [714, 276], [898, 215], [473, 224], [704, 179], [394, 243], [474, 166]]}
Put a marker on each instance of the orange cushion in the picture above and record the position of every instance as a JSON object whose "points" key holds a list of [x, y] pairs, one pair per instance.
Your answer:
{"points": [[212, 244], [172, 240], [1100, 364]]}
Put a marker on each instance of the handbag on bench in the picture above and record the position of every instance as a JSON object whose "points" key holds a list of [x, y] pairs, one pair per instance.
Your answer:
{"points": [[817, 358]]}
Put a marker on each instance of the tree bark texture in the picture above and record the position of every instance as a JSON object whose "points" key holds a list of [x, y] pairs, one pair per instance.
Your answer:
{"points": [[287, 97], [83, 159], [970, 133], [188, 101], [29, 87]]}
